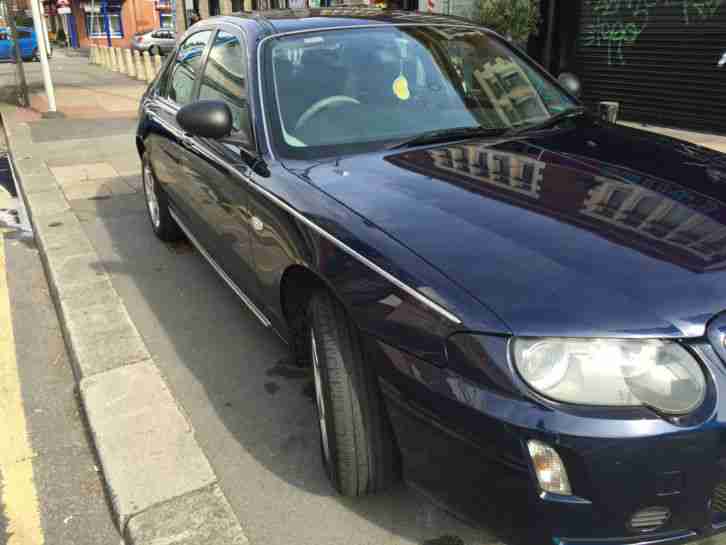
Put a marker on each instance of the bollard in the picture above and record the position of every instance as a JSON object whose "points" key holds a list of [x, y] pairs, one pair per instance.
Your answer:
{"points": [[130, 67], [112, 58], [157, 63], [608, 111], [121, 61], [107, 57], [149, 71], [92, 54], [139, 66], [102, 56]]}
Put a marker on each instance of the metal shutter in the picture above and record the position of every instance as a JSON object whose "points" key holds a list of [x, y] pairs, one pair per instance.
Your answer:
{"points": [[658, 58]]}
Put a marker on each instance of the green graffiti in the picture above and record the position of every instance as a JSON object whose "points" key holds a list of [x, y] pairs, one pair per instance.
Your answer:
{"points": [[618, 24]]}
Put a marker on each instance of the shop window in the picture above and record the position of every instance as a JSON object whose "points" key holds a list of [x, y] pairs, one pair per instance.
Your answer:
{"points": [[166, 20], [96, 23]]}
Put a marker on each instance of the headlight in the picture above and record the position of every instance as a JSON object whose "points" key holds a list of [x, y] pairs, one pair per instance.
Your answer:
{"points": [[658, 374]]}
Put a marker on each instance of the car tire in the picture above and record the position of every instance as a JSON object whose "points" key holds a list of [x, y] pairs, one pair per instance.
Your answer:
{"points": [[356, 440], [153, 50], [157, 205], [36, 55]]}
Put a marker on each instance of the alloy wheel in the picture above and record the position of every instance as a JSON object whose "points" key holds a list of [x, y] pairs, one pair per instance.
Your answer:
{"points": [[319, 398], [152, 201]]}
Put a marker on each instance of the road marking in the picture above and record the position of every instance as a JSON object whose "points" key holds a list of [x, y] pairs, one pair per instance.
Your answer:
{"points": [[19, 497]]}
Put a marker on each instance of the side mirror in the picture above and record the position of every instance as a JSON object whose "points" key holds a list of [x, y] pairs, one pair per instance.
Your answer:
{"points": [[571, 83], [207, 118]]}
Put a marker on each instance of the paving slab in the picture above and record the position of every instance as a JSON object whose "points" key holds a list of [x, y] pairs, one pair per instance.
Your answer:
{"points": [[145, 444], [46, 203], [39, 183], [97, 189], [81, 172], [212, 522]]}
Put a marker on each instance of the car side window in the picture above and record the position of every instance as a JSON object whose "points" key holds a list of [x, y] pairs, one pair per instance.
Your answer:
{"points": [[225, 78], [180, 85]]}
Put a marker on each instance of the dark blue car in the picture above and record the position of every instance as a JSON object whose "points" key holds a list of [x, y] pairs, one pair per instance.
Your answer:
{"points": [[26, 39], [514, 305]]}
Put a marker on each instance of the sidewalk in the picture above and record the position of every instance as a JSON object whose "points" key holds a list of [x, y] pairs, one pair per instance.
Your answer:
{"points": [[160, 483], [712, 141]]}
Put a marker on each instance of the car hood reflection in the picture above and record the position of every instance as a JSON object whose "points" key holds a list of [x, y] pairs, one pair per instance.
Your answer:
{"points": [[587, 231]]}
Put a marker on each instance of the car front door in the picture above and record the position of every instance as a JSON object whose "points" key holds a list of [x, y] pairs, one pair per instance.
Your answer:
{"points": [[221, 163], [171, 150], [27, 43], [167, 41], [5, 45]]}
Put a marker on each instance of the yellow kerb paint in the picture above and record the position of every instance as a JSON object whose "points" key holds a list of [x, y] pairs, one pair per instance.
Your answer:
{"points": [[19, 497]]}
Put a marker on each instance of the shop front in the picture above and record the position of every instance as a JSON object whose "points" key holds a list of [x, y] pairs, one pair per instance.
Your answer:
{"points": [[114, 22], [660, 59]]}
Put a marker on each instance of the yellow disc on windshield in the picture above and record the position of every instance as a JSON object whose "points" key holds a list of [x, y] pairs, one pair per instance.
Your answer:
{"points": [[400, 88]]}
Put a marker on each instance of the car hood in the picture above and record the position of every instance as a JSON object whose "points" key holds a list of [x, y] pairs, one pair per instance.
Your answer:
{"points": [[590, 230]]}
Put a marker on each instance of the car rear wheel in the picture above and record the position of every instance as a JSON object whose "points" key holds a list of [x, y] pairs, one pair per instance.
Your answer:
{"points": [[358, 449], [157, 206], [154, 50]]}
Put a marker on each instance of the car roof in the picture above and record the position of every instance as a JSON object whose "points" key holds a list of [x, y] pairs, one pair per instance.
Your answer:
{"points": [[291, 20]]}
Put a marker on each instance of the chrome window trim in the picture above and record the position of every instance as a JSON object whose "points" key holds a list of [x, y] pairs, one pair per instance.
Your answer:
{"points": [[235, 288]]}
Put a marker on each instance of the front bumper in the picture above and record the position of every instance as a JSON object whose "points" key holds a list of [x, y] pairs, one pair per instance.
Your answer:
{"points": [[465, 446]]}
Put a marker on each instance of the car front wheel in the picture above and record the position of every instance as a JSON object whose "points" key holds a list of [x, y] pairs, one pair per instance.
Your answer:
{"points": [[357, 444], [157, 205]]}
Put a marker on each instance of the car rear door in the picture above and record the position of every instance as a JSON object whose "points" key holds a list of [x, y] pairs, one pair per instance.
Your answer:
{"points": [[169, 147], [220, 163]]}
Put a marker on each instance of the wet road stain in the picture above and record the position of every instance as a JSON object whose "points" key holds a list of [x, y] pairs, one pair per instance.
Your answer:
{"points": [[55, 224], [309, 390], [180, 247], [444, 540], [285, 370], [271, 388]]}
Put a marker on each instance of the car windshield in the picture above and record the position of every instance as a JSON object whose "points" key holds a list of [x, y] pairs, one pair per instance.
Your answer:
{"points": [[352, 90]]}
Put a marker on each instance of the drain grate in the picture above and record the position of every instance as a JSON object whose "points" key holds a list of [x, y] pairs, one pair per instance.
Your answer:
{"points": [[6, 176]]}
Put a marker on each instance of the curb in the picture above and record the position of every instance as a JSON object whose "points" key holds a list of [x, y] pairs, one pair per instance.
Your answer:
{"points": [[161, 486]]}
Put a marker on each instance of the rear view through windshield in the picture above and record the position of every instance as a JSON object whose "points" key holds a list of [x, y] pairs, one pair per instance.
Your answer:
{"points": [[347, 90]]}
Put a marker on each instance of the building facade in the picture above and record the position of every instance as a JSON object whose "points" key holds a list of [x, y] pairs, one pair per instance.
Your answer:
{"points": [[662, 60]]}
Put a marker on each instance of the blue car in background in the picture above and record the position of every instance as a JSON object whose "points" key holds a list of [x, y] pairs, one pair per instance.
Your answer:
{"points": [[26, 39]]}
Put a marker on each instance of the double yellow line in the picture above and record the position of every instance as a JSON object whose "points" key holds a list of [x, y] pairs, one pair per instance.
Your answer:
{"points": [[18, 496]]}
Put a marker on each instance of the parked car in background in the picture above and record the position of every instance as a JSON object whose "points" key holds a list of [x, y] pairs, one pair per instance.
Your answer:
{"points": [[27, 40], [160, 41], [518, 305]]}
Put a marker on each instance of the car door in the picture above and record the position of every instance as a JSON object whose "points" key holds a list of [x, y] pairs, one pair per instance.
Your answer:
{"points": [[170, 148], [5, 44], [26, 38], [221, 163], [167, 40]]}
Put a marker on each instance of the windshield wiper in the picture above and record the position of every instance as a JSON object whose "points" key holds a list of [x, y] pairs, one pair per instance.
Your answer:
{"points": [[446, 135], [550, 121]]}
